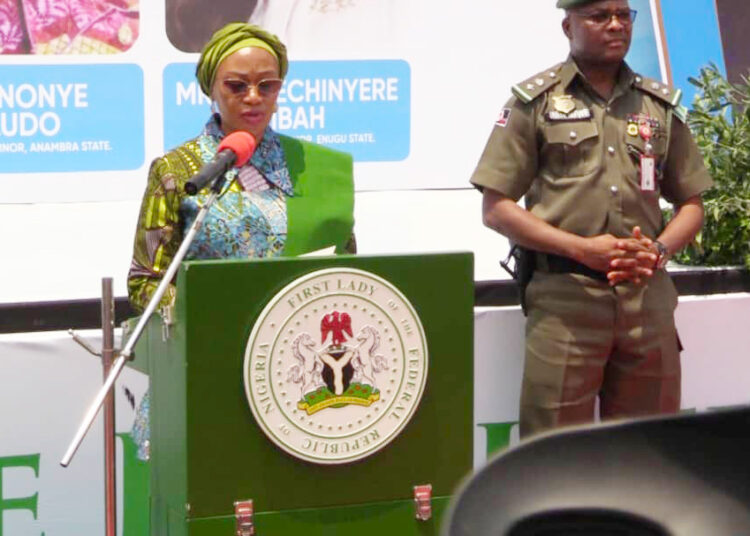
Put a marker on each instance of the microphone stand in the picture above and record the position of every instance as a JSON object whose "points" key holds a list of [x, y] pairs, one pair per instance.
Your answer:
{"points": [[127, 352]]}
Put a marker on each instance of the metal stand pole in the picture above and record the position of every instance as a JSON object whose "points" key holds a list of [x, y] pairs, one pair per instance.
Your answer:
{"points": [[108, 352], [107, 355], [127, 351]]}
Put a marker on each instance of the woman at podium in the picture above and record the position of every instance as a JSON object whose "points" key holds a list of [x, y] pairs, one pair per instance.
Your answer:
{"points": [[291, 197]]}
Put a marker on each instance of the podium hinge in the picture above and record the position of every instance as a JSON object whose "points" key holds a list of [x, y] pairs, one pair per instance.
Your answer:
{"points": [[243, 514], [423, 502]]}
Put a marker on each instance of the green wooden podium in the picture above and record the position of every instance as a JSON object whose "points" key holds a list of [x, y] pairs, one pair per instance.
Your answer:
{"points": [[208, 451]]}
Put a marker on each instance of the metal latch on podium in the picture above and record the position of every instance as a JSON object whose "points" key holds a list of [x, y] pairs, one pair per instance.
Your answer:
{"points": [[167, 319], [423, 501], [243, 514]]}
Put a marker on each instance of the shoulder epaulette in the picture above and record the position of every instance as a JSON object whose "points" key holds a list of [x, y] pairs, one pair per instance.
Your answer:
{"points": [[661, 91], [681, 113], [530, 89]]}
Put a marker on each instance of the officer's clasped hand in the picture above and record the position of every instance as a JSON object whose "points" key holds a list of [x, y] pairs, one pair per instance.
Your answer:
{"points": [[634, 259]]}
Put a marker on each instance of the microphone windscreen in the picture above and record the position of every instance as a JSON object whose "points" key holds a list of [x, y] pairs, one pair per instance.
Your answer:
{"points": [[241, 143]]}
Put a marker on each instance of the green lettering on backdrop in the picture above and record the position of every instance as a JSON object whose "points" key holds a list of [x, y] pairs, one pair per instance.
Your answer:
{"points": [[18, 503], [135, 488], [498, 435]]}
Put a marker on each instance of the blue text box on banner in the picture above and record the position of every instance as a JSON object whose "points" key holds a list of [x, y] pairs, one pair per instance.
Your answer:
{"points": [[71, 118], [361, 107]]}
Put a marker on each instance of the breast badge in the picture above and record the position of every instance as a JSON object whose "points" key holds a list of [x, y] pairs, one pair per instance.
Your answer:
{"points": [[565, 109], [564, 104]]}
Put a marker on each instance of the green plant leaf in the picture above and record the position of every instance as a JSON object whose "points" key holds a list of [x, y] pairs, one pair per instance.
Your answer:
{"points": [[720, 122]]}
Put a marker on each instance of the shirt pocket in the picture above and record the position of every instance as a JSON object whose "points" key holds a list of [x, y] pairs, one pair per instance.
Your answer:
{"points": [[636, 147], [571, 148]]}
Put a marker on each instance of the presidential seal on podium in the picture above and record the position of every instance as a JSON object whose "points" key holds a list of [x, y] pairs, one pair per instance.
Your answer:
{"points": [[335, 365]]}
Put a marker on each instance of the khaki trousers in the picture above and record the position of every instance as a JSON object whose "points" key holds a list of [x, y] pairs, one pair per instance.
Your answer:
{"points": [[585, 339]]}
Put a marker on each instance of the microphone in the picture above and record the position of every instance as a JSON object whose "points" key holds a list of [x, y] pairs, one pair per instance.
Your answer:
{"points": [[234, 150]]}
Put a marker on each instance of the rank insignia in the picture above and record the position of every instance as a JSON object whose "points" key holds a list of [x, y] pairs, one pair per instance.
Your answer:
{"points": [[564, 104]]}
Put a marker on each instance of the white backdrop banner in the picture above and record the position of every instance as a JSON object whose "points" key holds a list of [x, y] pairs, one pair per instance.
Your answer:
{"points": [[47, 383], [410, 88]]}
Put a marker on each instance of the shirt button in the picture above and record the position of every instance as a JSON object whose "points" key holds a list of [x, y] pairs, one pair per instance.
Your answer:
{"points": [[611, 150], [573, 134], [614, 190]]}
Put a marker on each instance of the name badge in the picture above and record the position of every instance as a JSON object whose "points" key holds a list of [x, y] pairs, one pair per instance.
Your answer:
{"points": [[582, 114], [648, 173]]}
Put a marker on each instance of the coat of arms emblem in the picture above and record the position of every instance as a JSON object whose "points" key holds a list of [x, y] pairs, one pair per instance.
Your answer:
{"points": [[341, 372], [335, 365]]}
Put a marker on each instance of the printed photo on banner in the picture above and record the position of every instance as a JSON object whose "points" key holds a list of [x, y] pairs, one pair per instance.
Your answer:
{"points": [[339, 28], [190, 23], [68, 26], [394, 83]]}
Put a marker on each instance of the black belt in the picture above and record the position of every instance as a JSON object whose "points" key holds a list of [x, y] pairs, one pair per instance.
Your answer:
{"points": [[563, 265]]}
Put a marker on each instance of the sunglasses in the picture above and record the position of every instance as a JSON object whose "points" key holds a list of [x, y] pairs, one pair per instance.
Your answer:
{"points": [[626, 17], [265, 88]]}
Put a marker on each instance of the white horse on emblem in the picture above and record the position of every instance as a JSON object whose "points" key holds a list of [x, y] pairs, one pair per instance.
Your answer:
{"points": [[367, 362], [307, 373]]}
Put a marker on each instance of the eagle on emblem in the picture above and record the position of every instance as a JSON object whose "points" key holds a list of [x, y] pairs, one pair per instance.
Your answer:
{"points": [[338, 324]]}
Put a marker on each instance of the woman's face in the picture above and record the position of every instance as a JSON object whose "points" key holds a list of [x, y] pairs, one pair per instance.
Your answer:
{"points": [[245, 90]]}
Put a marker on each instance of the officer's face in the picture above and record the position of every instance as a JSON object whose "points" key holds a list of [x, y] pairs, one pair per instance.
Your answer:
{"points": [[600, 32]]}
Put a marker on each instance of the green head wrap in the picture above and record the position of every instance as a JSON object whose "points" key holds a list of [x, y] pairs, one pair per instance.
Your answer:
{"points": [[569, 4], [230, 39]]}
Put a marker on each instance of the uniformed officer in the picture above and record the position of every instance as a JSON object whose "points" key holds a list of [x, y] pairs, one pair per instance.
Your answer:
{"points": [[593, 146]]}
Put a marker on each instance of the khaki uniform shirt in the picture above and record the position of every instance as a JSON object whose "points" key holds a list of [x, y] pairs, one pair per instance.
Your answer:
{"points": [[576, 157]]}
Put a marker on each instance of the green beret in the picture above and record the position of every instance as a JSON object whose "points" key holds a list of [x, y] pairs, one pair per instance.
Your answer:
{"points": [[568, 4], [231, 38]]}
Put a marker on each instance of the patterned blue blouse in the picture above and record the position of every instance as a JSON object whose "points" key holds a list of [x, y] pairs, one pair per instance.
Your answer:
{"points": [[249, 219]]}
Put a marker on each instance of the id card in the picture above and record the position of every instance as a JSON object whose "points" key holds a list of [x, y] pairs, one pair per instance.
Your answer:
{"points": [[648, 173]]}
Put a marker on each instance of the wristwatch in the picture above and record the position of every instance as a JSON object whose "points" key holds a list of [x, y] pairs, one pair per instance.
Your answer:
{"points": [[663, 258]]}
